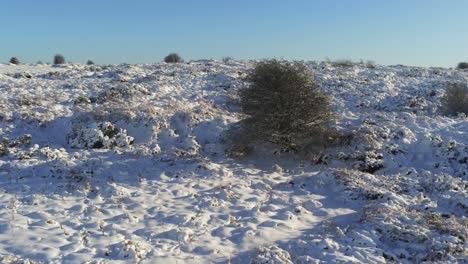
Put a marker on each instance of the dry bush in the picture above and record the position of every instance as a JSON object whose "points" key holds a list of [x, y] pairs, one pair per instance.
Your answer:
{"points": [[283, 105], [455, 100]]}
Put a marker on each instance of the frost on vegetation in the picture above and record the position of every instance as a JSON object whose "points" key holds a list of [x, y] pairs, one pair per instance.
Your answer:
{"points": [[98, 135]]}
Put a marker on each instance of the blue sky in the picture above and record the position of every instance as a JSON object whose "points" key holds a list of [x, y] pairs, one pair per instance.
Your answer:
{"points": [[410, 32]]}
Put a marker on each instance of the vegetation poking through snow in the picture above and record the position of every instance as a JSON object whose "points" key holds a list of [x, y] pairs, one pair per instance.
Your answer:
{"points": [[125, 163]]}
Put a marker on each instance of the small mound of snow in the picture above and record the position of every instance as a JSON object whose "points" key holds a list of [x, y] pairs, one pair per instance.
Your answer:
{"points": [[271, 255], [9, 259], [127, 249]]}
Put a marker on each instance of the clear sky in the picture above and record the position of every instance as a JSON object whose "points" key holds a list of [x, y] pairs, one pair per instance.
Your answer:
{"points": [[410, 32]]}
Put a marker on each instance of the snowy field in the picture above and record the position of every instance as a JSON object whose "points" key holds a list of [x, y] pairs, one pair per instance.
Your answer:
{"points": [[126, 164]]}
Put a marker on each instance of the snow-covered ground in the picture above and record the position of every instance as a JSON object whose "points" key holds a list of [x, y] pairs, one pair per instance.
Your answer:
{"points": [[125, 163]]}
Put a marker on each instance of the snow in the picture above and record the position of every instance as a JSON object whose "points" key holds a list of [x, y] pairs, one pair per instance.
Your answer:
{"points": [[125, 163]]}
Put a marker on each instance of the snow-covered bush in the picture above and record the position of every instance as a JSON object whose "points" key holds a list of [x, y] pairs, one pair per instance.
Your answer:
{"points": [[173, 58], [283, 105], [14, 60], [6, 145], [101, 135], [365, 161], [455, 100], [462, 65], [59, 59], [271, 255]]}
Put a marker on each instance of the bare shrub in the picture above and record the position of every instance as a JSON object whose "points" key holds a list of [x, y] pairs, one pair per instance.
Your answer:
{"points": [[173, 58], [59, 59], [462, 65], [455, 100], [282, 105], [14, 60]]}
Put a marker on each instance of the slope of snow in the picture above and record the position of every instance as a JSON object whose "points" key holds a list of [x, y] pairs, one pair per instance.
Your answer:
{"points": [[125, 163]]}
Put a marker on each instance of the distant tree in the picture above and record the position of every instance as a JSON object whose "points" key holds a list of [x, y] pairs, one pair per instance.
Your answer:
{"points": [[59, 59], [173, 58], [462, 65], [90, 62], [14, 60]]}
